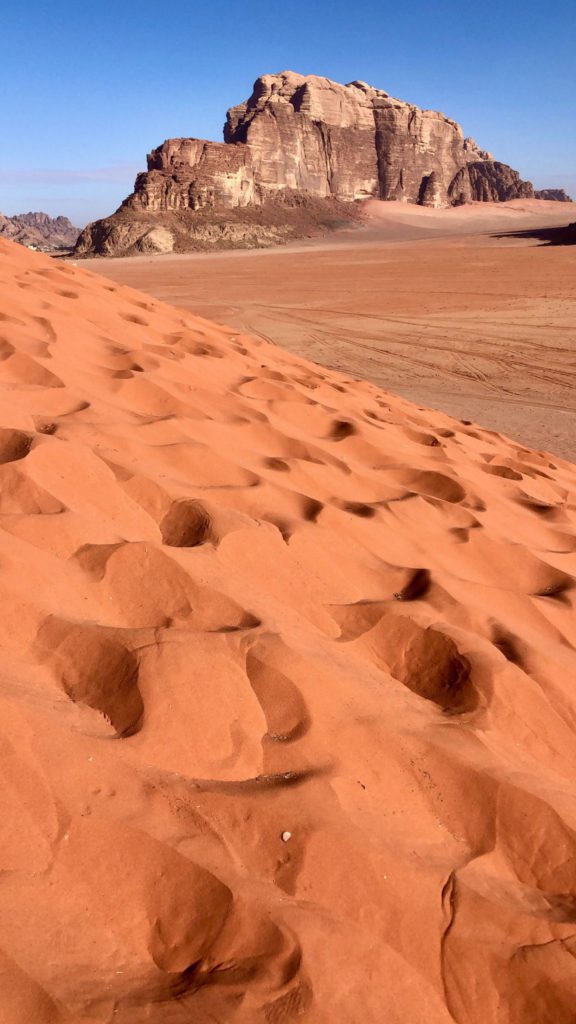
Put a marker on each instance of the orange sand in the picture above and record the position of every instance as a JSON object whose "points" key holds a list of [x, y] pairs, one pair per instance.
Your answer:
{"points": [[287, 699], [427, 303]]}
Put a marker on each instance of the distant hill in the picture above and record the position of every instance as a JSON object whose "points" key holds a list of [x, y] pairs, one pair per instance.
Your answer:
{"points": [[39, 231], [558, 195]]}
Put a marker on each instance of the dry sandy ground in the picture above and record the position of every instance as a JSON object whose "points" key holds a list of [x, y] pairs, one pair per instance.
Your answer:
{"points": [[287, 697], [455, 318]]}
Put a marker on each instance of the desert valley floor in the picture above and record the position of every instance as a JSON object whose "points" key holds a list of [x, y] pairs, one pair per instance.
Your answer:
{"points": [[446, 308], [287, 704]]}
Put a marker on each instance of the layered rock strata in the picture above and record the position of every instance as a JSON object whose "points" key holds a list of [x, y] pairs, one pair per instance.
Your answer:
{"points": [[304, 138]]}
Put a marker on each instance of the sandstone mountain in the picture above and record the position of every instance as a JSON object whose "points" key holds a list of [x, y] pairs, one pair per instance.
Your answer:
{"points": [[297, 155], [556, 194], [38, 230]]}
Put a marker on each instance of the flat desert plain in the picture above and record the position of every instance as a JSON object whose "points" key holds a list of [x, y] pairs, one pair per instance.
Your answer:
{"points": [[444, 307]]}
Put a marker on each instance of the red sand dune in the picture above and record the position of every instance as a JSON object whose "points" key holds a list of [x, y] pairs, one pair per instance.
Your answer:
{"points": [[288, 703]]}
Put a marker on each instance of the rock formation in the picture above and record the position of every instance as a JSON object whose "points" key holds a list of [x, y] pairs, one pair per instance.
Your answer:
{"points": [[300, 140], [493, 182], [557, 195], [39, 231]]}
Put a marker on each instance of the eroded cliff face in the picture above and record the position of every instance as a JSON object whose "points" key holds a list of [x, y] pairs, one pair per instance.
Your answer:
{"points": [[304, 138], [310, 135], [190, 174]]}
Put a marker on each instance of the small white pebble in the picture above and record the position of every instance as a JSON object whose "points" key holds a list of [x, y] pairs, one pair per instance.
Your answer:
{"points": [[286, 836]]}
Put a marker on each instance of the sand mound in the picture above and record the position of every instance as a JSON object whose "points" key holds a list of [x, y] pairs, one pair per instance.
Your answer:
{"points": [[470, 218], [287, 697]]}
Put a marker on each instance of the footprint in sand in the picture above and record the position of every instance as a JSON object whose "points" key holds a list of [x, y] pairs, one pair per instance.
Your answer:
{"points": [[503, 471], [131, 318], [417, 586], [341, 429], [143, 587], [436, 485], [311, 508], [424, 659], [356, 508], [428, 662], [43, 426], [19, 495], [286, 715], [277, 464], [14, 445], [420, 437], [95, 669]]}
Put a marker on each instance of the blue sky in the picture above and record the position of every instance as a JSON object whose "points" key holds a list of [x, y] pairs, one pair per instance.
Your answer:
{"points": [[86, 90]]}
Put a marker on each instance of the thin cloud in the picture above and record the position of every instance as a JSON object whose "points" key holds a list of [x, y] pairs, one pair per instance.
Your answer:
{"points": [[115, 173]]}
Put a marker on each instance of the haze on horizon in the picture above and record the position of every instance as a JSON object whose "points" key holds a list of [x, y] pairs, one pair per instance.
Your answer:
{"points": [[86, 96]]}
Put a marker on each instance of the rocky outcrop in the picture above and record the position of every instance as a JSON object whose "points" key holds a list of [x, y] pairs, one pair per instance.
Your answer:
{"points": [[557, 195], [303, 139], [493, 182], [190, 174], [39, 231], [132, 231]]}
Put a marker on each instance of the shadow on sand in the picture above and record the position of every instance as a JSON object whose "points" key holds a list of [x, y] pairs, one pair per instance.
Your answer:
{"points": [[548, 236]]}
